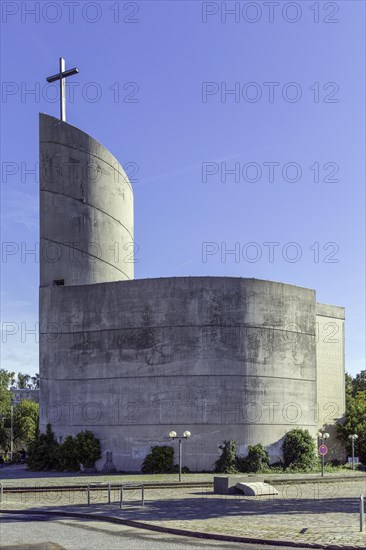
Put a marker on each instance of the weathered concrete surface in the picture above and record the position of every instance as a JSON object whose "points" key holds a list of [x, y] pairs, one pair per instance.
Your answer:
{"points": [[331, 398], [86, 209], [225, 358]]}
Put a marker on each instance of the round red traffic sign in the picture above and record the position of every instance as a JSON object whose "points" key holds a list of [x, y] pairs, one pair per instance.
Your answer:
{"points": [[323, 449]]}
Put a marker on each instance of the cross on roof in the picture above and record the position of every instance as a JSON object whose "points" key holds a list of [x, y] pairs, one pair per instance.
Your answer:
{"points": [[61, 75]]}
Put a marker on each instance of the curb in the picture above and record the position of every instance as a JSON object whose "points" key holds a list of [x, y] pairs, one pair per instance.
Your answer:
{"points": [[180, 532], [50, 488]]}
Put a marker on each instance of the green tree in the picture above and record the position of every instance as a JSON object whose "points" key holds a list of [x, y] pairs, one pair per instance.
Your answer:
{"points": [[23, 381], [7, 379], [359, 383], [355, 423], [35, 382], [227, 463], [349, 385], [43, 451], [67, 455], [87, 448], [299, 450], [26, 417]]}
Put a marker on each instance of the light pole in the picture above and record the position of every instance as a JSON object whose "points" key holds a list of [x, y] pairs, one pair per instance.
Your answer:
{"points": [[353, 437], [2, 432], [323, 436], [11, 430], [186, 435]]}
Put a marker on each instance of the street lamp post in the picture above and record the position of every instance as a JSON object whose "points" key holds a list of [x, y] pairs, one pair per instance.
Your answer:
{"points": [[186, 435], [353, 438], [323, 436], [11, 431]]}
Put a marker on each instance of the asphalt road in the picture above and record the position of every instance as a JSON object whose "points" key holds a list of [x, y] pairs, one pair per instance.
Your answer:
{"points": [[41, 533]]}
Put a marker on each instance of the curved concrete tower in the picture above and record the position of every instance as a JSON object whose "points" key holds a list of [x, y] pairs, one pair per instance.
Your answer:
{"points": [[86, 209]]}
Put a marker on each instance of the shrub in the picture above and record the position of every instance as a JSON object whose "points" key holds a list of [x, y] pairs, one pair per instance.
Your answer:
{"points": [[299, 450], [185, 469], [46, 454], [43, 451], [257, 460], [277, 465], [67, 455], [336, 462], [227, 463], [159, 461], [87, 448]]}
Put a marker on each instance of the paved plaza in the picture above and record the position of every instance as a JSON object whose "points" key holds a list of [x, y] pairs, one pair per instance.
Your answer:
{"points": [[315, 513]]}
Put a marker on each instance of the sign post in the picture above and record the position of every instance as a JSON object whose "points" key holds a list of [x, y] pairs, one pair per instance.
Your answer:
{"points": [[323, 449]]}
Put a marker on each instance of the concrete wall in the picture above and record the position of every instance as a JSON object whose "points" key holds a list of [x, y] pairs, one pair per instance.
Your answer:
{"points": [[225, 358], [331, 400], [86, 209]]}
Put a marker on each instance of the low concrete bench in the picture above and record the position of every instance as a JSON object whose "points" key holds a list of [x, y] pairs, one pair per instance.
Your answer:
{"points": [[258, 488], [229, 485]]}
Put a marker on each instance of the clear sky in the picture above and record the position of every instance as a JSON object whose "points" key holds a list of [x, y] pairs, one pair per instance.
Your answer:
{"points": [[280, 159]]}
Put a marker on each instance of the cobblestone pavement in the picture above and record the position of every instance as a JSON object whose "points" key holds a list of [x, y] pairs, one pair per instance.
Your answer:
{"points": [[326, 513]]}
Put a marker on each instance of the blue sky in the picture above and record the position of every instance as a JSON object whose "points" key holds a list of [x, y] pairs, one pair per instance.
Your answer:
{"points": [[154, 88]]}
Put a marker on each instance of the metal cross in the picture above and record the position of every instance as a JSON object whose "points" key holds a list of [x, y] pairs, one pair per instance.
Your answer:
{"points": [[61, 77]]}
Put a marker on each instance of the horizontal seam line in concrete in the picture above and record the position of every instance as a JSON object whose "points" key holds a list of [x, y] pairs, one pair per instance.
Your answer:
{"points": [[87, 253], [174, 531], [172, 327], [92, 155], [89, 205], [185, 376], [190, 423]]}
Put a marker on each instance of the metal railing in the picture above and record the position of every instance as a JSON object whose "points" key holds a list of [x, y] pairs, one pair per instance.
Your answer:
{"points": [[102, 485], [132, 485]]}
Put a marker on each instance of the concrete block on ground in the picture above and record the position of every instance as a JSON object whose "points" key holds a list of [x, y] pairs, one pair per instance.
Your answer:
{"points": [[225, 485]]}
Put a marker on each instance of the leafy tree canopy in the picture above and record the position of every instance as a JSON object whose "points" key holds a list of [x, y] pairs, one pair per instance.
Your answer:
{"points": [[355, 422], [26, 417]]}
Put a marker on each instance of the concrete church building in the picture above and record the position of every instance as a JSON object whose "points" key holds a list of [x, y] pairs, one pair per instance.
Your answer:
{"points": [[131, 360]]}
